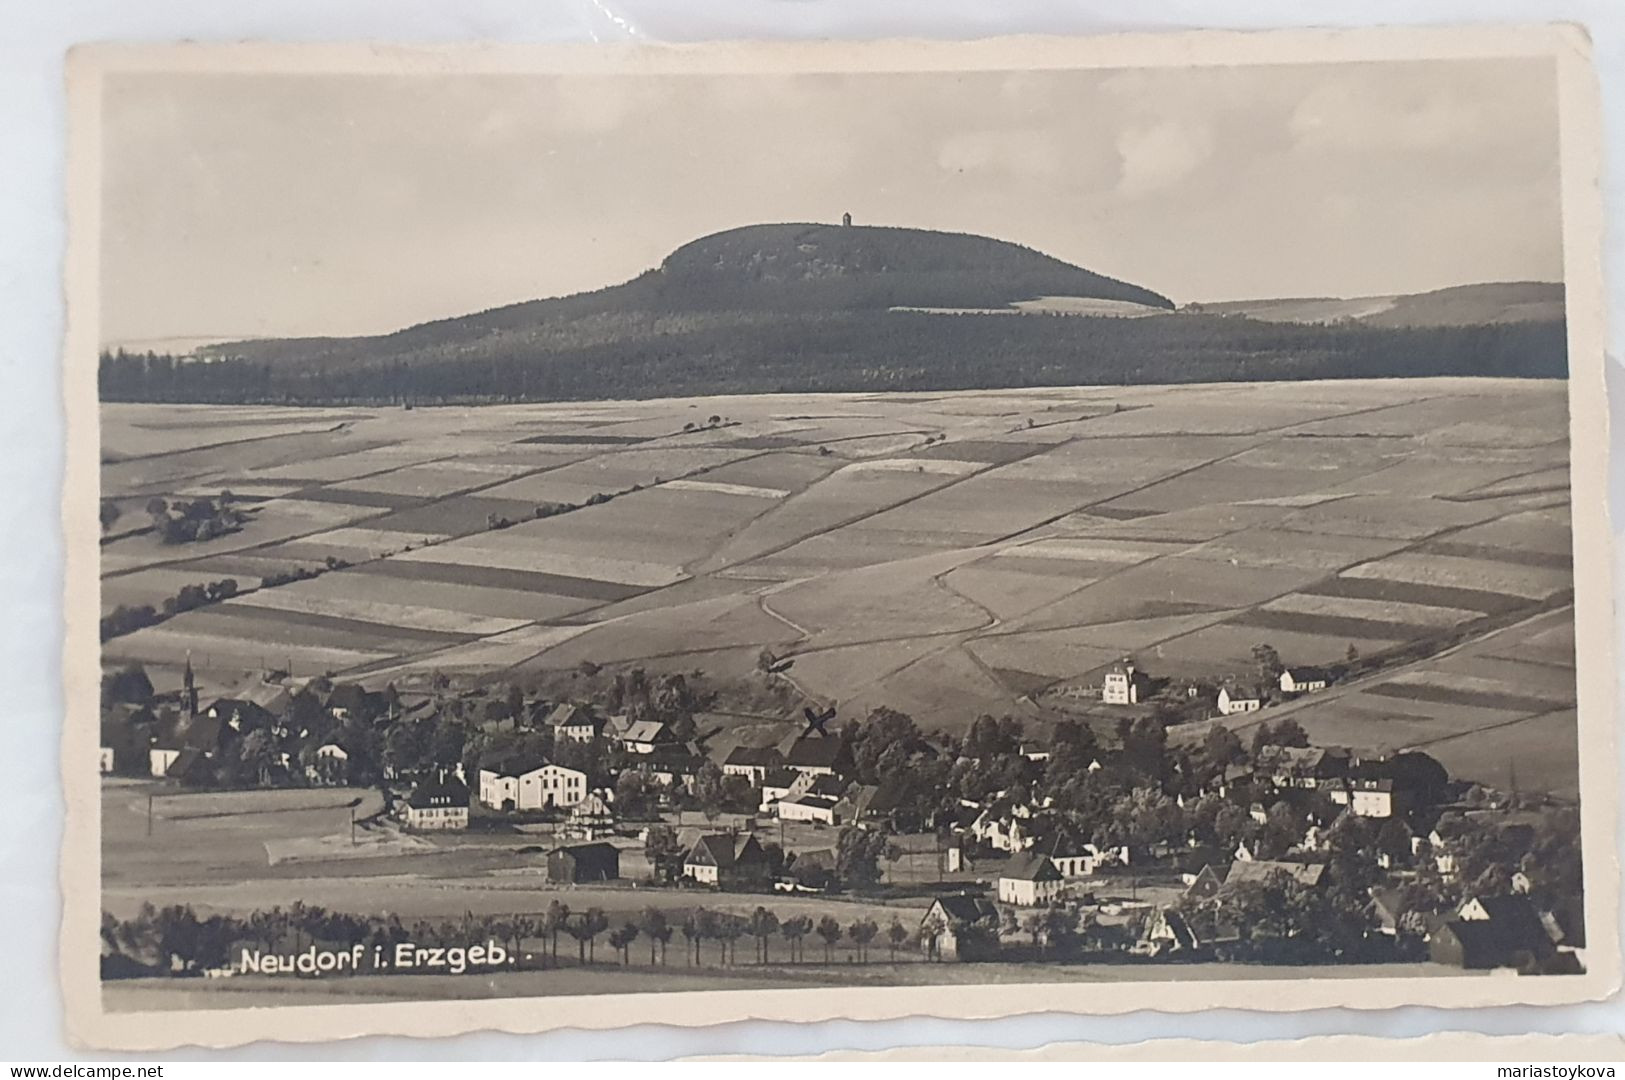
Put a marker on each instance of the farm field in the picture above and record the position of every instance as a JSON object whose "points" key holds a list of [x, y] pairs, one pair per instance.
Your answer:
{"points": [[949, 553]]}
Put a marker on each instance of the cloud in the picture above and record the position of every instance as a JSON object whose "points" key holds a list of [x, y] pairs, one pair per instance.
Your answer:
{"points": [[1158, 156]]}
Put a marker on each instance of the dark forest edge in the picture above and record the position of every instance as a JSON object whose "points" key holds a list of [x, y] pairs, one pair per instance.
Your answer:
{"points": [[648, 354]]}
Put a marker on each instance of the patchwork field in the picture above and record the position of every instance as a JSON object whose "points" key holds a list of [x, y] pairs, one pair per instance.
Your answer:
{"points": [[948, 553]]}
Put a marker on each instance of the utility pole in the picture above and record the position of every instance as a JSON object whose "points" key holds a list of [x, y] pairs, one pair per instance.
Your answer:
{"points": [[352, 826], [149, 813]]}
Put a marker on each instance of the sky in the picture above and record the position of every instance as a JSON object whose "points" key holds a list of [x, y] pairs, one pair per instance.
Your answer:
{"points": [[239, 205]]}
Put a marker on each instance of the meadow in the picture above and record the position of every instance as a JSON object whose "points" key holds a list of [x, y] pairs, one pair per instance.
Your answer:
{"points": [[947, 553]]}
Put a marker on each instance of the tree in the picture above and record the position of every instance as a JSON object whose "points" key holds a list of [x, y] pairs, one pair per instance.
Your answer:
{"points": [[896, 934], [793, 930], [830, 931], [1262, 737], [128, 685], [730, 928], [1353, 654], [556, 919], [862, 932], [691, 935], [623, 938], [1222, 747], [763, 925], [658, 930], [710, 789], [586, 930], [1033, 925], [1288, 732], [110, 513], [857, 856], [1268, 661], [664, 852]]}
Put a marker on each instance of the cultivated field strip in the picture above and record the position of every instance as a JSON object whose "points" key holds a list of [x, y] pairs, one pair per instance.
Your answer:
{"points": [[948, 552]]}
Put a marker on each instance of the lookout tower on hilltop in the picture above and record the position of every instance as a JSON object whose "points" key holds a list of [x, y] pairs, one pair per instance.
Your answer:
{"points": [[846, 220]]}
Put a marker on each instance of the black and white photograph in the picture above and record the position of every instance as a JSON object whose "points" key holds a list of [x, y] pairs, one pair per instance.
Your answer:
{"points": [[820, 531]]}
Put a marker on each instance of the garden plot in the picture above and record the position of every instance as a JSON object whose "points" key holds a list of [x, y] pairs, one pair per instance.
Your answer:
{"points": [[1539, 753], [275, 628], [1430, 474], [1529, 582], [1090, 550], [1452, 675], [1303, 551], [378, 583], [173, 643], [279, 519], [1527, 677], [248, 569], [896, 600], [1434, 407], [1117, 465], [313, 597], [1374, 724], [243, 462], [368, 543], [531, 557], [1010, 592], [454, 516], [612, 473], [948, 687], [143, 431], [779, 472], [834, 673], [154, 586], [1226, 648], [496, 653], [842, 498], [1131, 635], [1053, 654], [1400, 517], [1230, 481], [852, 548], [1188, 527], [727, 622], [407, 574], [348, 466], [1398, 612], [986, 506], [1549, 531], [1554, 479], [1546, 643], [1230, 410], [439, 480]]}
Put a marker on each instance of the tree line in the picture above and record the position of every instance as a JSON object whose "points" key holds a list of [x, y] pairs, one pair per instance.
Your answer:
{"points": [[642, 354], [177, 940]]}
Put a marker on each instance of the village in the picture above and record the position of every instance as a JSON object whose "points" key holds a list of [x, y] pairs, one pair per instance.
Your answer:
{"points": [[1102, 843]]}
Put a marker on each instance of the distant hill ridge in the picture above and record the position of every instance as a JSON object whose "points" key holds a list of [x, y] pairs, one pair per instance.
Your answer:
{"points": [[1483, 304], [807, 307]]}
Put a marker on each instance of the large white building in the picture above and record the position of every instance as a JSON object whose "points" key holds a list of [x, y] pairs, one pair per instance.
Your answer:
{"points": [[1029, 880], [1123, 685], [541, 787], [1233, 700]]}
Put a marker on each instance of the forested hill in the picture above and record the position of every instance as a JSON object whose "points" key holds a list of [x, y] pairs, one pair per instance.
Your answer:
{"points": [[820, 307]]}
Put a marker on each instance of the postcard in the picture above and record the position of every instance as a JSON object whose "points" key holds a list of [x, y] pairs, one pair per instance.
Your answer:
{"points": [[848, 530]]}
